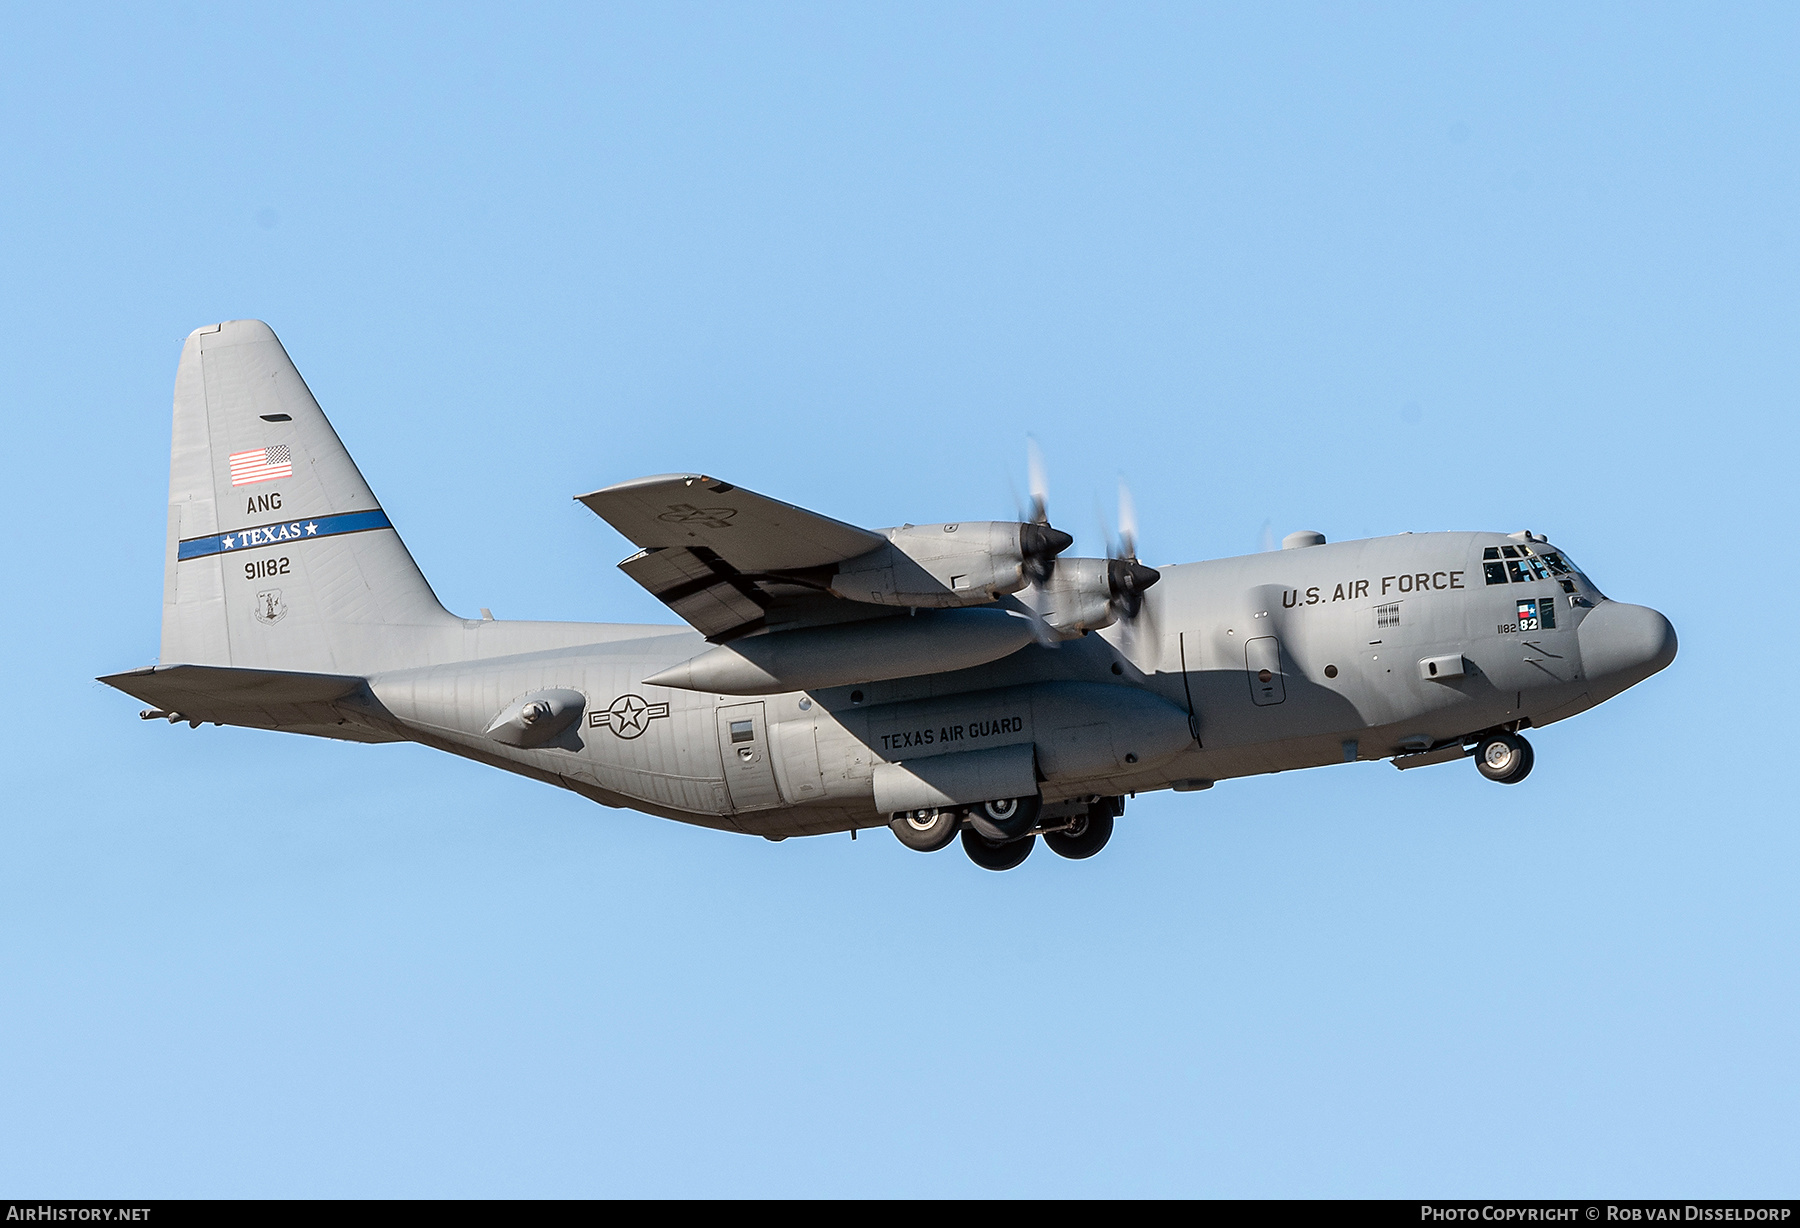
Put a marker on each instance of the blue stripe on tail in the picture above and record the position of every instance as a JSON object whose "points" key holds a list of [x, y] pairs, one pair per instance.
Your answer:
{"points": [[281, 533]]}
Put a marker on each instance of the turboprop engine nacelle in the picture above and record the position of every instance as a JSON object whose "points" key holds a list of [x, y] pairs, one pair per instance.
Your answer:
{"points": [[941, 565], [1076, 599]]}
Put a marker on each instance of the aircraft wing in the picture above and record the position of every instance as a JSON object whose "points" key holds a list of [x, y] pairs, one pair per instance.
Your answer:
{"points": [[728, 560]]}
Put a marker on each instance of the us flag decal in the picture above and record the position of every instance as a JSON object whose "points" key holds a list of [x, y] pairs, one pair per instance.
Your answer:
{"points": [[261, 465]]}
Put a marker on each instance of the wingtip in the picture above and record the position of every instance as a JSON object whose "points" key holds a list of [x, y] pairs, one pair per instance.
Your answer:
{"points": [[660, 479]]}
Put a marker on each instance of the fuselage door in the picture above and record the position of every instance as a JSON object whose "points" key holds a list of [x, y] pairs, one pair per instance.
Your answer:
{"points": [[749, 768], [1262, 657]]}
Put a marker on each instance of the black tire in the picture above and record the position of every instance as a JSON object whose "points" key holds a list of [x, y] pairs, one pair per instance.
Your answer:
{"points": [[929, 833], [1085, 837], [1005, 818], [990, 855], [1505, 758]]}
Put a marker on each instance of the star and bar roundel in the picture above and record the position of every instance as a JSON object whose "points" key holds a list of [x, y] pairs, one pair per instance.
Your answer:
{"points": [[629, 716]]}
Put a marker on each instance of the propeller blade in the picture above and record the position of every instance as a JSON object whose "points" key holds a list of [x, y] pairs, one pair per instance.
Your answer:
{"points": [[1127, 522], [1025, 605], [1040, 485], [1136, 634]]}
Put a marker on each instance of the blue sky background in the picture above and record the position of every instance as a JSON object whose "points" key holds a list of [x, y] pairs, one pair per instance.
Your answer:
{"points": [[1360, 269]]}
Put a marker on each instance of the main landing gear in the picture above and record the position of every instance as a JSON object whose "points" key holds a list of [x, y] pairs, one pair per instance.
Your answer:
{"points": [[998, 835], [1085, 835], [1505, 757], [926, 831], [1004, 820], [992, 855]]}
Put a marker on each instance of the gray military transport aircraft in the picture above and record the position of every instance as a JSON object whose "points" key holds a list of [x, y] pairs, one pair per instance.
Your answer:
{"points": [[946, 681]]}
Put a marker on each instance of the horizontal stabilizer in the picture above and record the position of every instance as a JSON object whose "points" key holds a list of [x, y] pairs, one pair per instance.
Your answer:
{"points": [[255, 698]]}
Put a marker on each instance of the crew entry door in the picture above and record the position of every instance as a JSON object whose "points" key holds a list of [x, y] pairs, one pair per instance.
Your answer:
{"points": [[1262, 658], [749, 769]]}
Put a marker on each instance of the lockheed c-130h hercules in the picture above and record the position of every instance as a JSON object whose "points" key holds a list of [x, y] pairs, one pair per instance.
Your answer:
{"points": [[949, 681]]}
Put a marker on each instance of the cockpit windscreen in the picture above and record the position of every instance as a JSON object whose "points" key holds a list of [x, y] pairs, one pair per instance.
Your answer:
{"points": [[1522, 564]]}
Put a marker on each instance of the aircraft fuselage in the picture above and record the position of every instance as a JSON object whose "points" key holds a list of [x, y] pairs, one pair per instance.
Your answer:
{"points": [[1393, 646]]}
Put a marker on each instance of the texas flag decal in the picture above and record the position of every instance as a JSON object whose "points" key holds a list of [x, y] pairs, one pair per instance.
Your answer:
{"points": [[262, 465]]}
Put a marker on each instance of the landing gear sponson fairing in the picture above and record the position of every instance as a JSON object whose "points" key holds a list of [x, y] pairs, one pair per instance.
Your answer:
{"points": [[947, 681]]}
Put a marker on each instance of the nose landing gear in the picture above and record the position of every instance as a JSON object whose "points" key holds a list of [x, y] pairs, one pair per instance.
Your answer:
{"points": [[1505, 757]]}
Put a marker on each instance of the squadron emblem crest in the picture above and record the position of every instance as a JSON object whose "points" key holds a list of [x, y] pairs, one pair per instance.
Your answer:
{"points": [[270, 608]]}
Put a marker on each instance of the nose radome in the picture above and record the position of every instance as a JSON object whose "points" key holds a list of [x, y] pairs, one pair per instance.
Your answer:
{"points": [[1629, 640]]}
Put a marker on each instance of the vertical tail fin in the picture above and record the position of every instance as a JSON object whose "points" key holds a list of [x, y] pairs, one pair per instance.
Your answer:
{"points": [[278, 556]]}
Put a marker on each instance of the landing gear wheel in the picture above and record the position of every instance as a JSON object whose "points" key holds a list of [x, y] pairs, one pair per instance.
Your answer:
{"points": [[993, 855], [1505, 757], [1086, 836], [926, 831], [1005, 819]]}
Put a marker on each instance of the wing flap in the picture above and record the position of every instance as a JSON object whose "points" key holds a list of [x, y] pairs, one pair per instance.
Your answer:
{"points": [[713, 598], [730, 561]]}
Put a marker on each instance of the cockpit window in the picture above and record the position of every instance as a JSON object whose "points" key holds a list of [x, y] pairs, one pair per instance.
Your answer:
{"points": [[1522, 564]]}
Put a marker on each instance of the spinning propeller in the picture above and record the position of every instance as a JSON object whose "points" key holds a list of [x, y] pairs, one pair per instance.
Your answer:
{"points": [[1078, 588], [1038, 542], [1125, 576]]}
